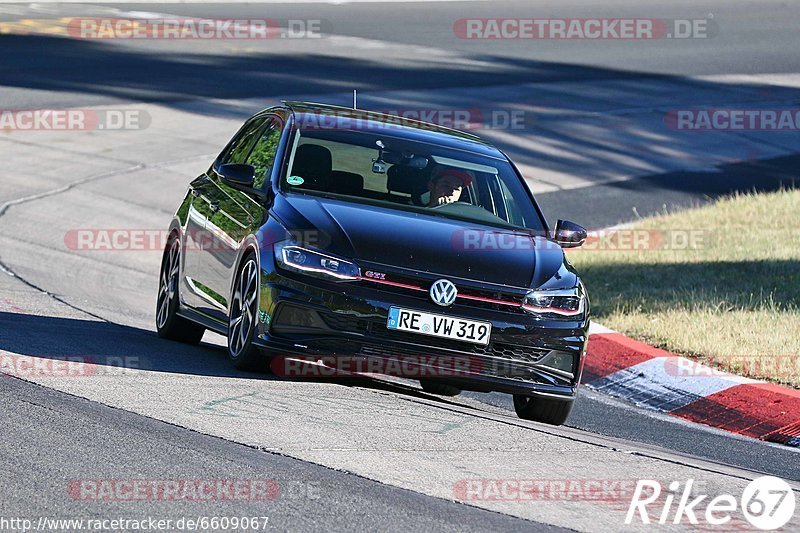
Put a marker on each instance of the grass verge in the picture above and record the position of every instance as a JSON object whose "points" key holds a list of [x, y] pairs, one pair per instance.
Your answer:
{"points": [[719, 283]]}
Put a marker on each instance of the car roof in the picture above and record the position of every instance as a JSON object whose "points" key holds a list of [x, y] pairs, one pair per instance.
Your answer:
{"points": [[338, 116]]}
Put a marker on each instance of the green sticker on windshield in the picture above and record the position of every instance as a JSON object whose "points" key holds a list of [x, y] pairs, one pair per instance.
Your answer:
{"points": [[295, 180]]}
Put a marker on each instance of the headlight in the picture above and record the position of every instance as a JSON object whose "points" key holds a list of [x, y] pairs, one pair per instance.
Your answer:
{"points": [[315, 263], [563, 302]]}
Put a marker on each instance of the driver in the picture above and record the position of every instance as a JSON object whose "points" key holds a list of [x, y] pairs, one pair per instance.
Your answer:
{"points": [[446, 185]]}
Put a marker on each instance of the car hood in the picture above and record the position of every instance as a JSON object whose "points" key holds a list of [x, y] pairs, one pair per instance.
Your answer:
{"points": [[372, 235]]}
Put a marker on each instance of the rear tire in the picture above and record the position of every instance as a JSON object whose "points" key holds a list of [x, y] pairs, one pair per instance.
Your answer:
{"points": [[243, 318], [545, 410], [168, 323], [439, 388]]}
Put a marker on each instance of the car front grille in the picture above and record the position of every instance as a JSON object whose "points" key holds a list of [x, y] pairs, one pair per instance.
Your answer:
{"points": [[509, 302]]}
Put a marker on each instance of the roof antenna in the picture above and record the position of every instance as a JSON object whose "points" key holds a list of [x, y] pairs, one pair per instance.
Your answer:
{"points": [[355, 99]]}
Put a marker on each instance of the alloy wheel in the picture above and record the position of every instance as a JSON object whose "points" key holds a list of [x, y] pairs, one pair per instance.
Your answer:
{"points": [[242, 320], [168, 283]]}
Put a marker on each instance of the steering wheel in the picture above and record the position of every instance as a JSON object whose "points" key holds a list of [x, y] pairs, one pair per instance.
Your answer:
{"points": [[457, 204], [470, 210]]}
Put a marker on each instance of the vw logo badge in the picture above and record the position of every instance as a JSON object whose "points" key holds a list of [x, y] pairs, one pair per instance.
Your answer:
{"points": [[443, 292]]}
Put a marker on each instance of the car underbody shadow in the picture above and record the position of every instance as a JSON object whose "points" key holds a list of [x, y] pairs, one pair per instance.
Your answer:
{"points": [[114, 349]]}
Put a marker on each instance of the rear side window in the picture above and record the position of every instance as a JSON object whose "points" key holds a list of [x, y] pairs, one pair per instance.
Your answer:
{"points": [[241, 144], [262, 157]]}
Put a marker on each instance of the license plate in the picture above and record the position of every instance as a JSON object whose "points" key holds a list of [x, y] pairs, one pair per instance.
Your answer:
{"points": [[460, 329]]}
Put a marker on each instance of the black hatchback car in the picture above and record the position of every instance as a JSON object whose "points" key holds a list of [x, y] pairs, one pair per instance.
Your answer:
{"points": [[324, 234]]}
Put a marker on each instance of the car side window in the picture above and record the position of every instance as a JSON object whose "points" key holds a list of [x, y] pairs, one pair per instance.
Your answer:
{"points": [[262, 156], [240, 146]]}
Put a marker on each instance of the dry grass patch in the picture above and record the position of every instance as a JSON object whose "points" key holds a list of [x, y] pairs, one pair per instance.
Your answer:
{"points": [[732, 299]]}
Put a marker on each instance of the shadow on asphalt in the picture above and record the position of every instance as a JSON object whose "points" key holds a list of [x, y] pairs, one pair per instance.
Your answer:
{"points": [[111, 345], [109, 69], [619, 202], [117, 349], [561, 130]]}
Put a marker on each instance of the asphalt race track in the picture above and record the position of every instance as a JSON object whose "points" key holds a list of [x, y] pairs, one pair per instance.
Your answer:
{"points": [[347, 454]]}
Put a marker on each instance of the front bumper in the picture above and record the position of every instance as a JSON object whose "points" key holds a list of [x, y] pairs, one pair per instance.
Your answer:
{"points": [[301, 316]]}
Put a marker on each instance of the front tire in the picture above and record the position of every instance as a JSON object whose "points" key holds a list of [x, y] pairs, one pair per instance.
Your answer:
{"points": [[168, 323], [243, 317], [545, 410]]}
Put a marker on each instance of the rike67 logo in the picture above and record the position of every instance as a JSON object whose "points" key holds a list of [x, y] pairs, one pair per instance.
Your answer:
{"points": [[767, 503]]}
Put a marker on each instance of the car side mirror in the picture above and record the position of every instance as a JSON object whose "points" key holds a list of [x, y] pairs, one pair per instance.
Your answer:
{"points": [[238, 174], [569, 235]]}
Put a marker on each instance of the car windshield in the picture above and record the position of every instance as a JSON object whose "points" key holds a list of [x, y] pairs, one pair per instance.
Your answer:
{"points": [[395, 172]]}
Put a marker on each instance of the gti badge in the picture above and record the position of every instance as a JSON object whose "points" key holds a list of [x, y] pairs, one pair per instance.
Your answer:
{"points": [[443, 292], [375, 275]]}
